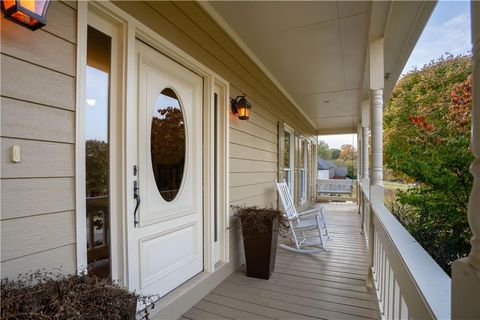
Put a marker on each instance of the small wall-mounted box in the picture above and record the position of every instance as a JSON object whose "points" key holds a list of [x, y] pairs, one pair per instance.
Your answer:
{"points": [[15, 154]]}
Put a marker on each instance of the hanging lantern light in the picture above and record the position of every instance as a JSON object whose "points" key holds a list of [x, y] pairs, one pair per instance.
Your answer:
{"points": [[241, 107], [28, 13]]}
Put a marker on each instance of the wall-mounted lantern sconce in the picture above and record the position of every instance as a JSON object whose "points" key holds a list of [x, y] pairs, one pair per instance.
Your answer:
{"points": [[28, 13], [241, 107]]}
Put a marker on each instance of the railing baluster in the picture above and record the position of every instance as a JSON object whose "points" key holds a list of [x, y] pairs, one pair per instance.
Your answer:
{"points": [[391, 294], [408, 282], [382, 275], [397, 301], [385, 284], [403, 308]]}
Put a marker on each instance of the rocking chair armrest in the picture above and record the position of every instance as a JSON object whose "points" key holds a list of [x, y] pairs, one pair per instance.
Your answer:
{"points": [[309, 212]]}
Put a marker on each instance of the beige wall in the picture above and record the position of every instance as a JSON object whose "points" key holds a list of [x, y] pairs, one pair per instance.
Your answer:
{"points": [[38, 114], [254, 143]]}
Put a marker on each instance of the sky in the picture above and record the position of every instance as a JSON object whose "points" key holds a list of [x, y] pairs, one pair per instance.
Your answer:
{"points": [[448, 30], [337, 140], [96, 112]]}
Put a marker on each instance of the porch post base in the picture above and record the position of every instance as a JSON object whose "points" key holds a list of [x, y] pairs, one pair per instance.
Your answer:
{"points": [[465, 290]]}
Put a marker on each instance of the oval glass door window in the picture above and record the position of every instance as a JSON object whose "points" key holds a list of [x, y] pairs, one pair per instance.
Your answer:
{"points": [[167, 143]]}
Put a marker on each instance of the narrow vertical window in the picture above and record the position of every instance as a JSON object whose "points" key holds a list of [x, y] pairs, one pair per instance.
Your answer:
{"points": [[97, 146], [215, 167], [286, 156], [302, 166]]}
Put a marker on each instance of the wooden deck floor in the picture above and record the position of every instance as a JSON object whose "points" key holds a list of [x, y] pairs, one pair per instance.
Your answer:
{"points": [[328, 285]]}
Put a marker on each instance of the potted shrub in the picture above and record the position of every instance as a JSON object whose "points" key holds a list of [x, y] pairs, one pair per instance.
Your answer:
{"points": [[260, 229], [43, 295]]}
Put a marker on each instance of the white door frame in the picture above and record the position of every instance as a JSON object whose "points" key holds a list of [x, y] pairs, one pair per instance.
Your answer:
{"points": [[96, 18], [127, 30]]}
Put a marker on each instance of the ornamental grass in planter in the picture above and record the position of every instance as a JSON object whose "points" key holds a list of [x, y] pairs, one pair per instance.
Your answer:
{"points": [[49, 295], [260, 229]]}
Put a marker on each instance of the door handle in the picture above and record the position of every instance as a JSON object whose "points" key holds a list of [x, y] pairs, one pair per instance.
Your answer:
{"points": [[136, 196]]}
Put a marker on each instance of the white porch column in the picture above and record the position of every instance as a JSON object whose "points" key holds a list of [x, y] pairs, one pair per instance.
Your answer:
{"points": [[376, 119], [466, 272], [365, 142], [359, 151], [376, 97], [376, 124], [365, 152]]}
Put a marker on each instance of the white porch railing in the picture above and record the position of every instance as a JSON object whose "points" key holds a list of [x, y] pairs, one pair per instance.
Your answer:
{"points": [[408, 282]]}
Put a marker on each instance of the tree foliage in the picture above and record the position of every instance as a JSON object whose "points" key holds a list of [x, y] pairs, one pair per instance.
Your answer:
{"points": [[168, 150], [347, 152], [346, 156], [96, 162], [335, 153], [427, 138], [323, 150]]}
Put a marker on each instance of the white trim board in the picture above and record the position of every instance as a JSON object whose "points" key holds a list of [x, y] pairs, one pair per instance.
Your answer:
{"points": [[91, 15], [80, 205]]}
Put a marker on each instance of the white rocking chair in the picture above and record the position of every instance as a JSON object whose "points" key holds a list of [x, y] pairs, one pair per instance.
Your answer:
{"points": [[311, 221]]}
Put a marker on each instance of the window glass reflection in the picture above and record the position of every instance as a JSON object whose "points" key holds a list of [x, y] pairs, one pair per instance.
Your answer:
{"points": [[167, 144], [97, 152]]}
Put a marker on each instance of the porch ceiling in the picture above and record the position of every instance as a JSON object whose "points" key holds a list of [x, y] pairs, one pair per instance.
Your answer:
{"points": [[316, 51]]}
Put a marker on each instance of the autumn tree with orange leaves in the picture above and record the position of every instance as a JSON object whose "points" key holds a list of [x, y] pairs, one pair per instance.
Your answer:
{"points": [[427, 139]]}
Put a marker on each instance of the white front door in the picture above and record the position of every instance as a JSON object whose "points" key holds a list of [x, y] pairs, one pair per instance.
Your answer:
{"points": [[168, 237]]}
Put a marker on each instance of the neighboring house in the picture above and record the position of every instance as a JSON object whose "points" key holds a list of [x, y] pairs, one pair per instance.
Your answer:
{"points": [[151, 82], [327, 169]]}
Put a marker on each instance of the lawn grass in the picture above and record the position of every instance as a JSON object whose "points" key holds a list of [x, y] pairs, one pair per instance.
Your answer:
{"points": [[392, 188]]}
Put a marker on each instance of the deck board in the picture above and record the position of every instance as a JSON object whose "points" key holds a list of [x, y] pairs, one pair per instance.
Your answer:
{"points": [[328, 285]]}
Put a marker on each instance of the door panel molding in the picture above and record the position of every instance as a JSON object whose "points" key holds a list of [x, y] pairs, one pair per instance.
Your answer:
{"points": [[153, 264]]}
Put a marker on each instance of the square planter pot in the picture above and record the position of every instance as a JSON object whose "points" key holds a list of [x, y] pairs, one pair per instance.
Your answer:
{"points": [[260, 250]]}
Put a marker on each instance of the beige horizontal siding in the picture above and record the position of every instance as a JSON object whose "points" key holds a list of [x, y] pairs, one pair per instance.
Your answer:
{"points": [[28, 197], [261, 200], [26, 236], [38, 114], [249, 127], [250, 190], [239, 179], [64, 258], [27, 120], [41, 48], [243, 152], [241, 165], [60, 18], [39, 159], [26, 81], [251, 140]]}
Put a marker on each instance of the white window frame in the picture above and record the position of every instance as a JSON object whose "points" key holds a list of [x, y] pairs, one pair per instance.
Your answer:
{"points": [[221, 246], [93, 16], [290, 172]]}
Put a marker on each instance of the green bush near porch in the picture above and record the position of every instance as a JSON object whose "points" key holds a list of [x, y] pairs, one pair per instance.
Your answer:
{"points": [[427, 140]]}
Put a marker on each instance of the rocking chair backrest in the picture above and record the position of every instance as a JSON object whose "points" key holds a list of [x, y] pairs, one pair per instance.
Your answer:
{"points": [[287, 201]]}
